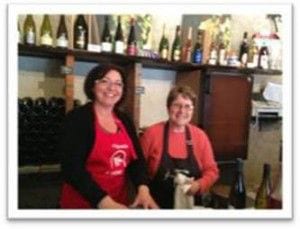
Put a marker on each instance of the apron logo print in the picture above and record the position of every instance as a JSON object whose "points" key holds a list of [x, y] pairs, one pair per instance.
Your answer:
{"points": [[118, 159]]}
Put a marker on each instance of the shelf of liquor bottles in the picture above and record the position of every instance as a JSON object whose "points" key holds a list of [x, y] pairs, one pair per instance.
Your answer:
{"points": [[105, 57]]}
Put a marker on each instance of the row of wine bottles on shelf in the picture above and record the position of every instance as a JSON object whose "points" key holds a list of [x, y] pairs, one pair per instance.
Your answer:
{"points": [[109, 43], [268, 196], [39, 126]]}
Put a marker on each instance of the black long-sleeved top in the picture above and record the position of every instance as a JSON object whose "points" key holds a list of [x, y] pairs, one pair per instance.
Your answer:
{"points": [[76, 144]]}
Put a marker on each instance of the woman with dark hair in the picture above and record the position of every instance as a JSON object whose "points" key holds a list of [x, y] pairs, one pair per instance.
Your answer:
{"points": [[100, 149], [175, 146]]}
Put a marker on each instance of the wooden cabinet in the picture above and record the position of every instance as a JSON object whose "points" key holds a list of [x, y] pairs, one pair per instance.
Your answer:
{"points": [[226, 113]]}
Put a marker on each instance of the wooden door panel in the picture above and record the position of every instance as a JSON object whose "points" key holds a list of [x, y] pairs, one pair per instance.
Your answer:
{"points": [[227, 107]]}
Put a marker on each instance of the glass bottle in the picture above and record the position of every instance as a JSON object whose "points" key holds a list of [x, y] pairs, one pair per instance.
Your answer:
{"points": [[237, 197], [80, 33], [198, 49], [244, 49], [132, 41], [222, 54], [263, 59], [46, 32], [164, 45], [263, 194], [62, 40], [213, 55], [176, 47], [253, 53], [119, 38], [187, 47], [29, 30], [106, 39]]}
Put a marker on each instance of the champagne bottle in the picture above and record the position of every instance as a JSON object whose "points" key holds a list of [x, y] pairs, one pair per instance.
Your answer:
{"points": [[187, 48], [198, 49], [213, 55], [62, 33], [237, 197], [46, 32], [80, 33], [132, 42], [119, 38], [106, 42], [176, 47], [244, 49], [29, 31], [263, 194], [263, 59], [164, 45]]}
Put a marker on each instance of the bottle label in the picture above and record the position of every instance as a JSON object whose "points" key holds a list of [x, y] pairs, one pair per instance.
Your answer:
{"points": [[119, 47], [244, 58], [164, 53], [197, 57], [264, 61], [176, 55], [62, 41], [30, 36], [131, 50], [222, 58], [80, 39], [106, 47], [46, 39]]}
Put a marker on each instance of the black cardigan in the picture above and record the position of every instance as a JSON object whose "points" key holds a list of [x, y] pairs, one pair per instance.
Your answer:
{"points": [[76, 143]]}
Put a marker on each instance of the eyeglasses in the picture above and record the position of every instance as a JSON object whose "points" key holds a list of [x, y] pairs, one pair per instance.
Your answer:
{"points": [[106, 83], [186, 107]]}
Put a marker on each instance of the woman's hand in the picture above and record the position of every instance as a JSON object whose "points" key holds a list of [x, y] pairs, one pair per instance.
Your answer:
{"points": [[195, 187], [144, 199], [108, 203]]}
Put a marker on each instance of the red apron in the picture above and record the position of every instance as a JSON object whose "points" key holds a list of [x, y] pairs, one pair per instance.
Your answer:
{"points": [[111, 154]]}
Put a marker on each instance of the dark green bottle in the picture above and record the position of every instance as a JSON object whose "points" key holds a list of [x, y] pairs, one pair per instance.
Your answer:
{"points": [[80, 33], [176, 47], [164, 45]]}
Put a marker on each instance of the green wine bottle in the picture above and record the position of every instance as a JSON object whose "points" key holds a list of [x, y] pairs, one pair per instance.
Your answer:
{"points": [[164, 45], [106, 40], [46, 32], [62, 34], [176, 47], [119, 38], [263, 194], [80, 33], [29, 30]]}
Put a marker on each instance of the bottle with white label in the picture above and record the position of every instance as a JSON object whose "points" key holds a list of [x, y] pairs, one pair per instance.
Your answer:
{"points": [[80, 33], [106, 41], [46, 32], [263, 59], [119, 38], [62, 40], [29, 31]]}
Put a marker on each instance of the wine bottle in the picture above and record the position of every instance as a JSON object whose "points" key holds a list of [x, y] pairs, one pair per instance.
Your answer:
{"points": [[263, 59], [46, 32], [164, 45], [253, 53], [176, 47], [244, 49], [62, 40], [132, 42], [29, 30], [262, 199], [119, 38], [198, 49], [187, 47], [237, 197], [222, 54], [213, 55], [80, 33], [106, 39]]}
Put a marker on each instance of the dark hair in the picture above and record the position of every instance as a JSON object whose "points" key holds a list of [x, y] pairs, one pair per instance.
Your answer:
{"points": [[184, 91], [99, 72]]}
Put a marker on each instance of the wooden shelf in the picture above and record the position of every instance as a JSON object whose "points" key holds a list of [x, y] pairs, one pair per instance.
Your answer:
{"points": [[87, 56]]}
